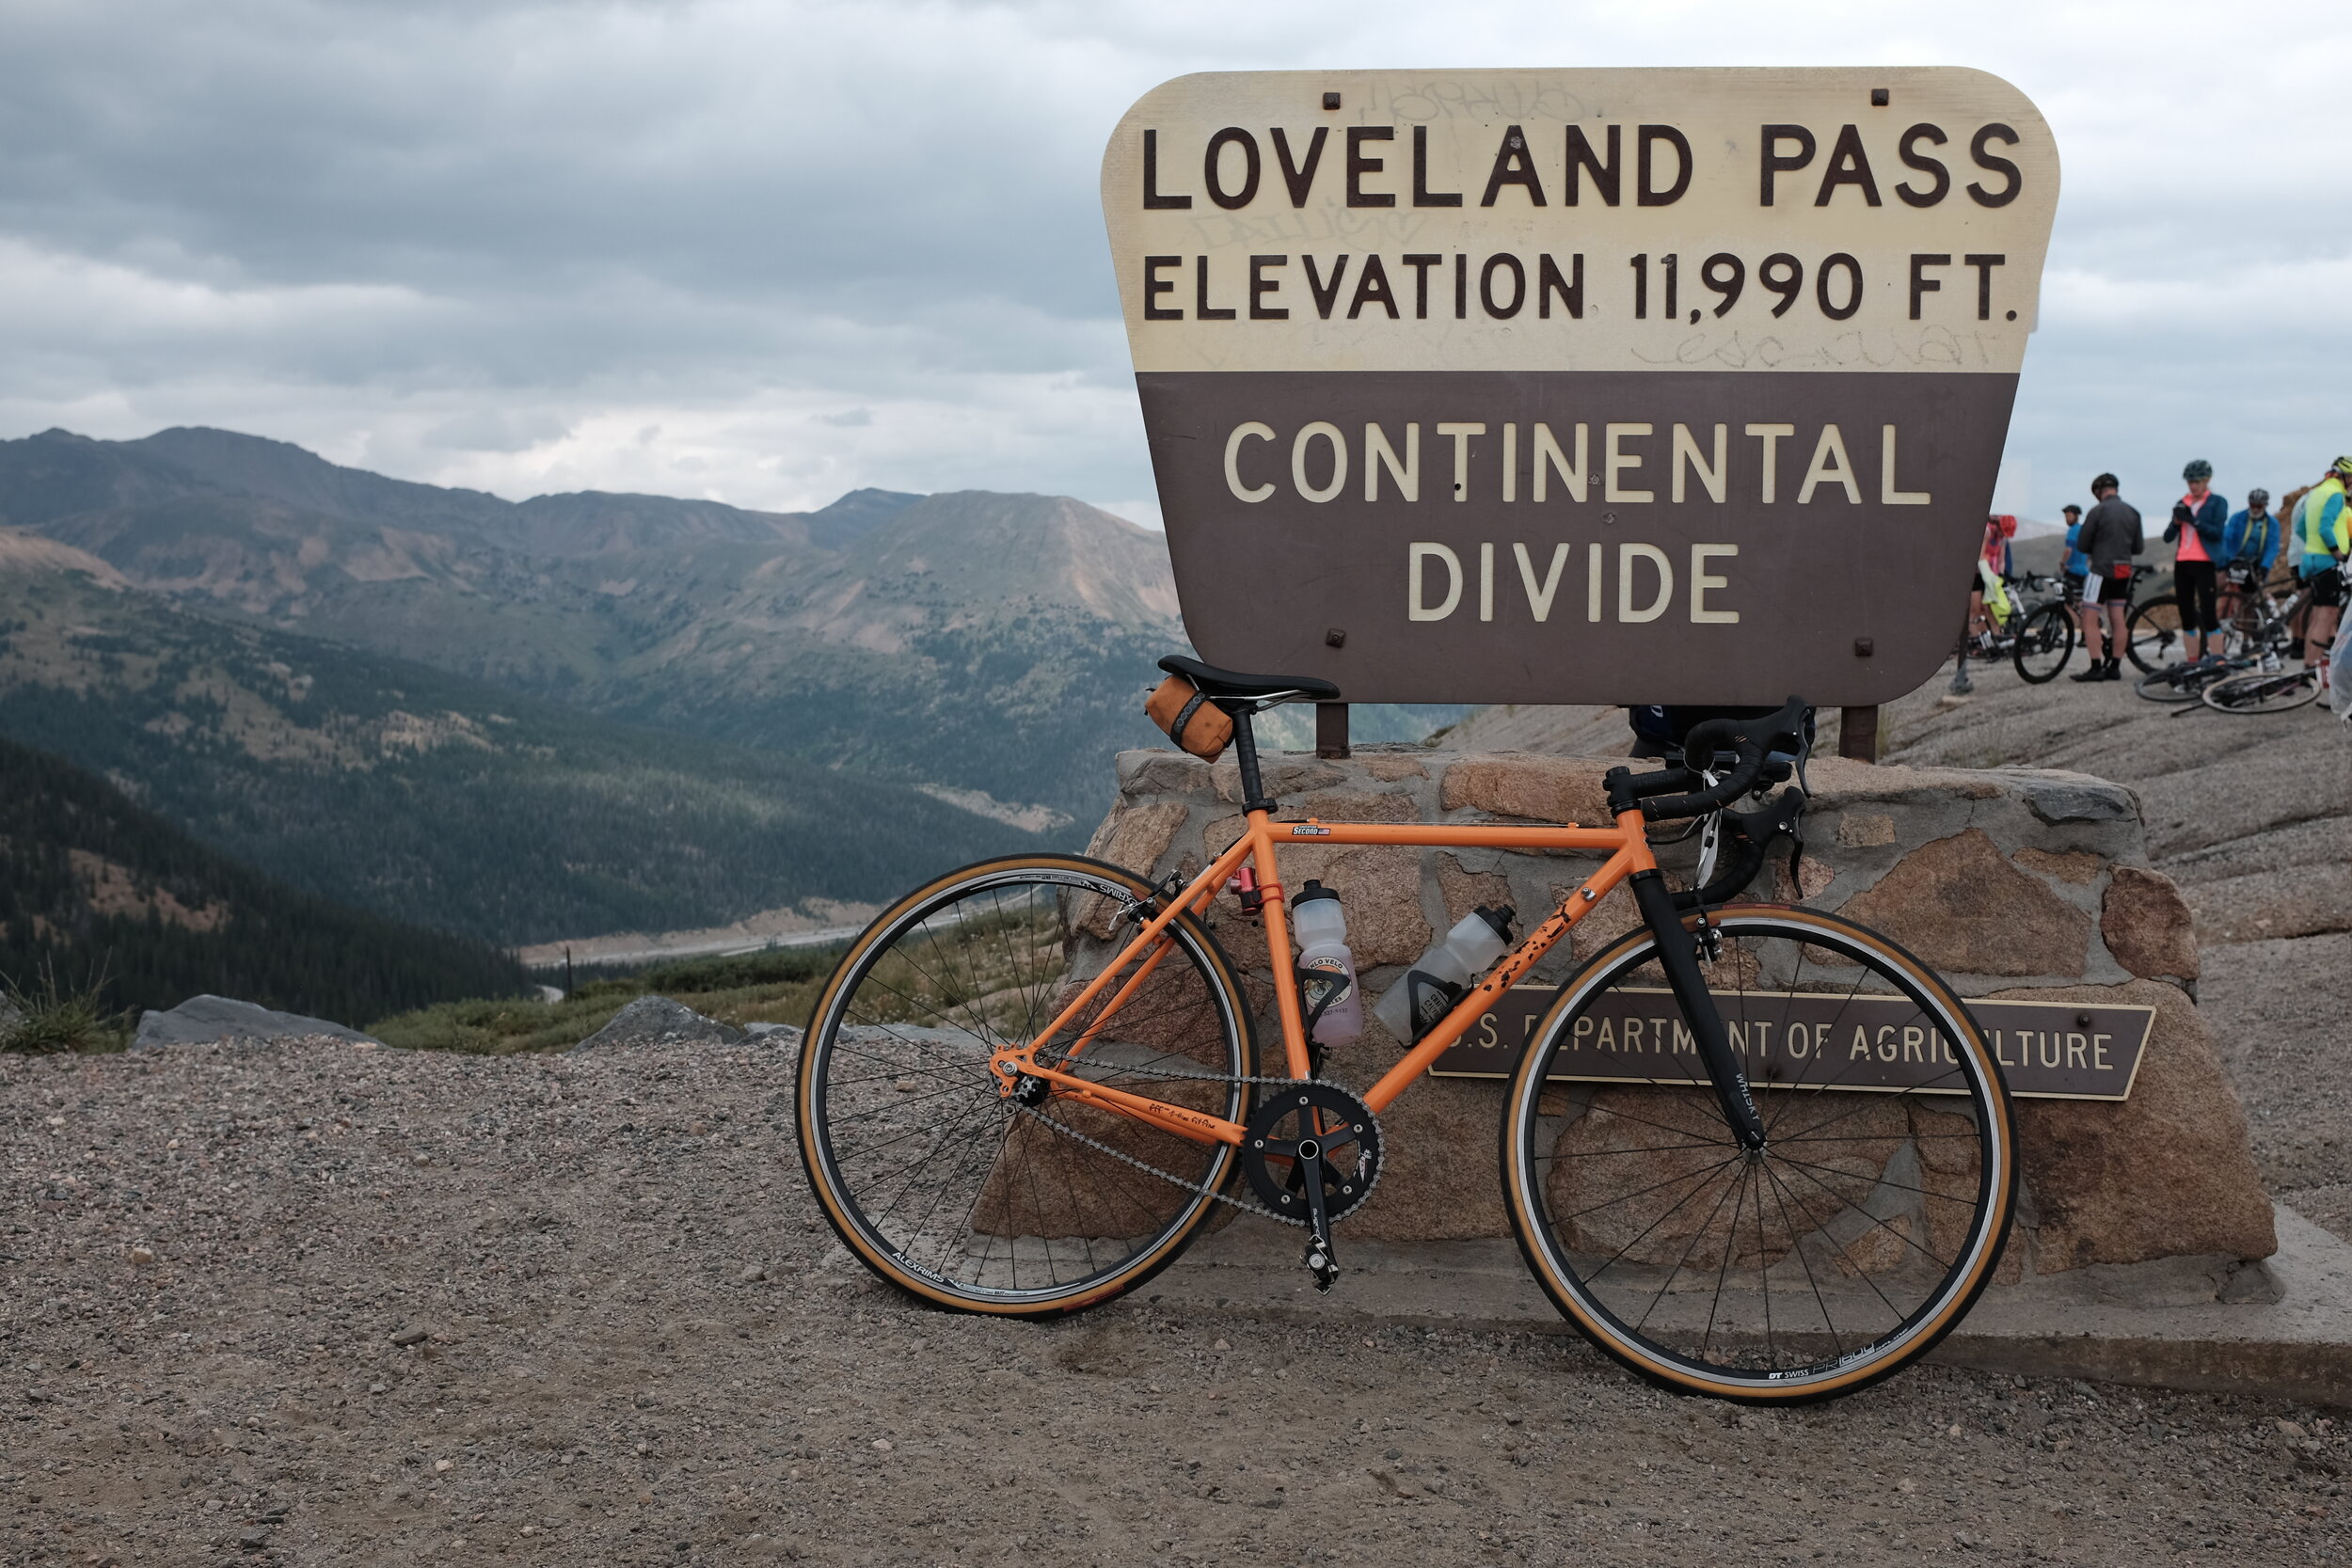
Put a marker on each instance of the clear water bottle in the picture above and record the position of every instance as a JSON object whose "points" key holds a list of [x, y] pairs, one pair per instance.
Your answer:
{"points": [[1439, 976], [1327, 970]]}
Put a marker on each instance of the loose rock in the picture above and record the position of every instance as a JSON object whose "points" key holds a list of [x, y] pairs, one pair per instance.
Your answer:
{"points": [[659, 1021]]}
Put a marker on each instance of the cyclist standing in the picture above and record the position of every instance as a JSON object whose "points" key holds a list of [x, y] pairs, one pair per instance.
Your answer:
{"points": [[1988, 583], [2075, 565], [2324, 539], [2249, 548], [2199, 521], [2110, 537]]}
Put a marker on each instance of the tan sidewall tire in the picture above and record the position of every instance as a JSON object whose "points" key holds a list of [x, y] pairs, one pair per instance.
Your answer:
{"points": [[853, 1235], [1527, 1221]]}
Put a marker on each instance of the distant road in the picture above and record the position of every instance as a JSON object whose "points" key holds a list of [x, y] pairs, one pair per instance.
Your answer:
{"points": [[643, 949]]}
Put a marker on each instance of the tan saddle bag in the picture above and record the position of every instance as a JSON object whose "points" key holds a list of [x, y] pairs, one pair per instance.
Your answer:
{"points": [[1184, 713]]}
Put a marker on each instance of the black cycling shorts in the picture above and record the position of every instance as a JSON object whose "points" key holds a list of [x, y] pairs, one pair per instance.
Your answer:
{"points": [[2326, 588], [2073, 586]]}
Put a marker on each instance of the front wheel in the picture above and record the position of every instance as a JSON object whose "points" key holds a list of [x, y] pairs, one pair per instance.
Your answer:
{"points": [[2045, 643], [1025, 1204], [1841, 1251]]}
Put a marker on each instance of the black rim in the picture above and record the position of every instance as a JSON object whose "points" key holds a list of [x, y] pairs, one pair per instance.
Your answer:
{"points": [[987, 1197], [2153, 634], [2044, 644], [2274, 691], [1828, 1252]]}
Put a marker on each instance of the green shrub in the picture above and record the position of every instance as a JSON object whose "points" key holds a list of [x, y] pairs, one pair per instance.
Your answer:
{"points": [[50, 1020], [773, 966]]}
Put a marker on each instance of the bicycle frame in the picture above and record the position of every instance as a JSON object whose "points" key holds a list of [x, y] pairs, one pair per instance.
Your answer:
{"points": [[1627, 845]]}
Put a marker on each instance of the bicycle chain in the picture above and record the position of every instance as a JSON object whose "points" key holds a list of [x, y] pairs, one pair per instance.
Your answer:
{"points": [[1244, 1206]]}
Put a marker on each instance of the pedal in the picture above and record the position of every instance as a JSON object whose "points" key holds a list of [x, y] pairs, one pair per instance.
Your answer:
{"points": [[1322, 1264]]}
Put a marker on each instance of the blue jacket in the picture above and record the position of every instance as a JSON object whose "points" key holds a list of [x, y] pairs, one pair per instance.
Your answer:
{"points": [[2244, 540], [2212, 520], [2076, 564]]}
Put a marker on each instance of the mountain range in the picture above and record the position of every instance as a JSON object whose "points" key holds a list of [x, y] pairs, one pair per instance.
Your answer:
{"points": [[582, 712], [992, 646]]}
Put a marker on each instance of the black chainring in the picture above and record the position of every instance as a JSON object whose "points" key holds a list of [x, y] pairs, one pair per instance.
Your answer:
{"points": [[1345, 1138]]}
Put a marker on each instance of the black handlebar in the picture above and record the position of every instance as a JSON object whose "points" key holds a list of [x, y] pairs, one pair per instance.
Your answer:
{"points": [[1750, 739], [1748, 837]]}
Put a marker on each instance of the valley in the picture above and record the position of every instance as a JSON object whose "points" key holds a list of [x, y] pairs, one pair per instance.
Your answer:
{"points": [[435, 797]]}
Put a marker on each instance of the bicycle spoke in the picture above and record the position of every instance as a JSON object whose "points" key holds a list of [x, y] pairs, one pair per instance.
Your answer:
{"points": [[1854, 1172], [977, 1195]]}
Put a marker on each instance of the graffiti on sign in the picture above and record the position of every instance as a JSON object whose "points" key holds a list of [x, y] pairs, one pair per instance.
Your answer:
{"points": [[2047, 1050], [1579, 386]]}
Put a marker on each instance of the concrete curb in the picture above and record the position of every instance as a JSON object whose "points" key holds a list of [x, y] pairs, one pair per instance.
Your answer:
{"points": [[2296, 1343]]}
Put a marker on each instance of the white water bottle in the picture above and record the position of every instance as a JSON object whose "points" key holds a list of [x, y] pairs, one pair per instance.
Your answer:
{"points": [[1439, 976], [1327, 970]]}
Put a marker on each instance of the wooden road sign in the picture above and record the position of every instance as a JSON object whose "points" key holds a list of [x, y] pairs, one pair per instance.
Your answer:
{"points": [[1580, 385]]}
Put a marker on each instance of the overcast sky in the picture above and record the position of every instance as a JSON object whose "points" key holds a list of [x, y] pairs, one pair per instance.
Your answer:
{"points": [[768, 252]]}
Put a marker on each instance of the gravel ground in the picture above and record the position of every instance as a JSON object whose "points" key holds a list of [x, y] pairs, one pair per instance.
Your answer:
{"points": [[309, 1303]]}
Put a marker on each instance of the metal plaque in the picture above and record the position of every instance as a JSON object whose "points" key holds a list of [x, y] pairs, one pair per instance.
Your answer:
{"points": [[2047, 1050], [1580, 385]]}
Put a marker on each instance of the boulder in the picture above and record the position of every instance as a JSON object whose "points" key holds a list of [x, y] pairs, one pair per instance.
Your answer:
{"points": [[1438, 1143], [2165, 1173], [1538, 788], [2146, 924], [1137, 836], [1464, 891], [1958, 904], [2077, 866], [659, 1021], [2062, 799], [205, 1020]]}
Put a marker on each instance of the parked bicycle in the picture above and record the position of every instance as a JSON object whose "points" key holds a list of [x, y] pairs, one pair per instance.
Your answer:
{"points": [[1031, 1083], [2031, 624], [2263, 623], [2261, 692]]}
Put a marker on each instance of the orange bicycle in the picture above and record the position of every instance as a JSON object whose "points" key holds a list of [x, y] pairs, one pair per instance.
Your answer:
{"points": [[1756, 1152]]}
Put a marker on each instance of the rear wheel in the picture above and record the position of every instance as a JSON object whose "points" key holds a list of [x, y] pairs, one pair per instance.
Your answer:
{"points": [[1018, 1205], [2175, 683], [2153, 636], [2263, 692], [1841, 1251], [2045, 643]]}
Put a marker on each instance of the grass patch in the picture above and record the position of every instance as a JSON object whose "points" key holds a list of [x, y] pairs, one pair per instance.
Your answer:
{"points": [[774, 986], [50, 1020]]}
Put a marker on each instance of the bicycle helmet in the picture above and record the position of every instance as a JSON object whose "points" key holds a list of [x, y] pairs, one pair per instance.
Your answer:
{"points": [[2108, 482], [2198, 469], [2258, 497], [2342, 465]]}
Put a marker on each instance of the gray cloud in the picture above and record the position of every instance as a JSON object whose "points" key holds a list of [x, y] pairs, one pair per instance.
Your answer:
{"points": [[810, 247]]}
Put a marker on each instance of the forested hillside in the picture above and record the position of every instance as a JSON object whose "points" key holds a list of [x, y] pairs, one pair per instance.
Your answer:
{"points": [[973, 643], [92, 888], [439, 799]]}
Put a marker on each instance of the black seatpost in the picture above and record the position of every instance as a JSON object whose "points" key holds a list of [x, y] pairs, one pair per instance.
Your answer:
{"points": [[1253, 794]]}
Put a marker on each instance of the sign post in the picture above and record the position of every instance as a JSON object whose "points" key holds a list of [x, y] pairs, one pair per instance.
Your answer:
{"points": [[1580, 385]]}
